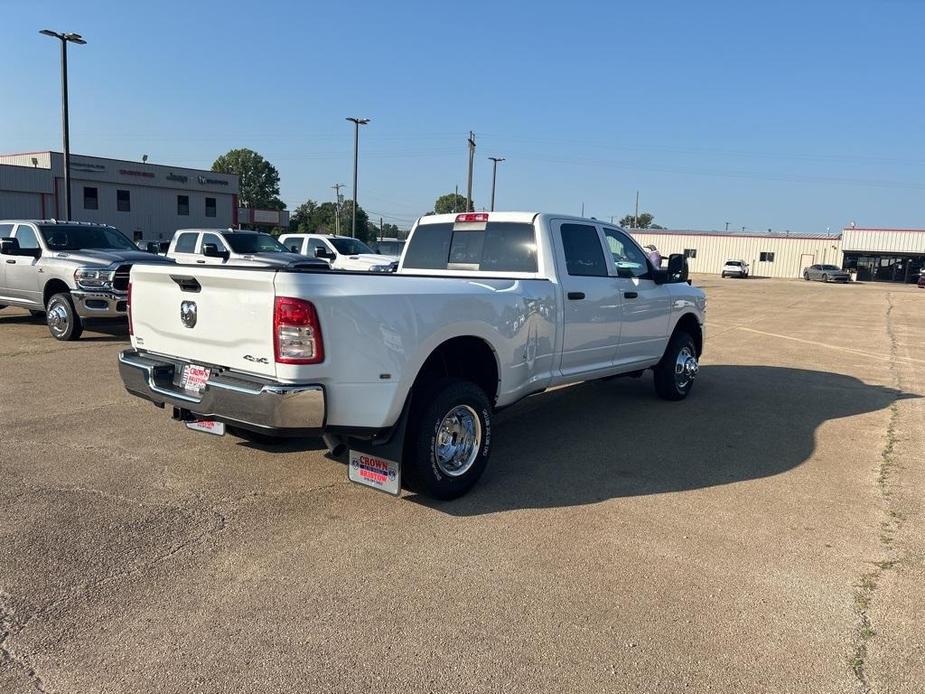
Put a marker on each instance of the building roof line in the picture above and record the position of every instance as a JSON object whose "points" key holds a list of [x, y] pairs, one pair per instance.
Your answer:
{"points": [[919, 231], [723, 234]]}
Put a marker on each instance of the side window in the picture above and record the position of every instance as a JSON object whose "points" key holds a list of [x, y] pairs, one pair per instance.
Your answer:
{"points": [[186, 243], [690, 252], [183, 205], [6, 231], [91, 198], [314, 245], [628, 259], [123, 201], [211, 238], [26, 237], [295, 245], [584, 256], [210, 207], [766, 257]]}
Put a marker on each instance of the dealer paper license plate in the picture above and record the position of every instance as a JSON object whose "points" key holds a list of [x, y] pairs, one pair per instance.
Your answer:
{"points": [[375, 472], [194, 378], [208, 426]]}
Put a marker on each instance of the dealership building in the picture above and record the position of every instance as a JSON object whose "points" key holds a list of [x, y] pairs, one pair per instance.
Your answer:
{"points": [[148, 202], [884, 255]]}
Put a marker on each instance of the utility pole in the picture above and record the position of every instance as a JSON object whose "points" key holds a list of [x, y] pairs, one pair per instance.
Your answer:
{"points": [[636, 218], [582, 208], [494, 175], [357, 122], [455, 198], [727, 226], [65, 39], [381, 235], [471, 158], [337, 199]]}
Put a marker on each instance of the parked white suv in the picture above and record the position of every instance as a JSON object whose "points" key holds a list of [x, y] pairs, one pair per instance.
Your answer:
{"points": [[231, 247], [341, 252], [735, 268]]}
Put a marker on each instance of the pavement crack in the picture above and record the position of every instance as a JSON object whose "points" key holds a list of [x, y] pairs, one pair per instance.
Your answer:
{"points": [[866, 587], [8, 628]]}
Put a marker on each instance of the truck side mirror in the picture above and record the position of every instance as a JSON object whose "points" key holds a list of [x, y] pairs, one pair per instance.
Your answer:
{"points": [[153, 247], [677, 268], [324, 253], [9, 246], [211, 250]]}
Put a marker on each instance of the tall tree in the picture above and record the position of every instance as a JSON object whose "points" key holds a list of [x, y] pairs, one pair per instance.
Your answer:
{"points": [[451, 202], [259, 179], [643, 222], [312, 218]]}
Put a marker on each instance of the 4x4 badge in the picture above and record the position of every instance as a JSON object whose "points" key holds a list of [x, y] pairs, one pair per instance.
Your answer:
{"points": [[188, 313]]}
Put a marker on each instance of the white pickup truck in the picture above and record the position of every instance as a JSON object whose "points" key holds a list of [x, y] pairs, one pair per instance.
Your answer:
{"points": [[340, 252], [406, 370]]}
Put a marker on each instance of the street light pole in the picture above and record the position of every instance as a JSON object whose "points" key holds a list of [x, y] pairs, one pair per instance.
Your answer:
{"points": [[494, 175], [65, 38], [357, 122]]}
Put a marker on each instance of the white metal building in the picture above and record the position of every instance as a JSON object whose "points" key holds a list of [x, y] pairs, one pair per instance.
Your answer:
{"points": [[768, 254], [890, 255], [148, 202]]}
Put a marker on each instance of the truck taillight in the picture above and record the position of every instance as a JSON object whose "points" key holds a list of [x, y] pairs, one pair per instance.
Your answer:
{"points": [[296, 332], [472, 217], [128, 309]]}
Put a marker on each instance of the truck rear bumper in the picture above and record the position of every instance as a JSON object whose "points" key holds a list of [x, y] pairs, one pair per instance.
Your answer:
{"points": [[255, 403]]}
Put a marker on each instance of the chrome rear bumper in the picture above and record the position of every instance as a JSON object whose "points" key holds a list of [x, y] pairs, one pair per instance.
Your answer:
{"points": [[259, 404]]}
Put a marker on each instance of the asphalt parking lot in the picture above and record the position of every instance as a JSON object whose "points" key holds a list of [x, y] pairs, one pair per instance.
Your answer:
{"points": [[767, 534]]}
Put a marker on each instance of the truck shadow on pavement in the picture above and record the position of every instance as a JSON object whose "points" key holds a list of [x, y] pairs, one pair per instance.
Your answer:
{"points": [[608, 439]]}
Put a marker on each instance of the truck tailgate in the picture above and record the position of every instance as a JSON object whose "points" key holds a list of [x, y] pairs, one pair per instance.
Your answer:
{"points": [[233, 315]]}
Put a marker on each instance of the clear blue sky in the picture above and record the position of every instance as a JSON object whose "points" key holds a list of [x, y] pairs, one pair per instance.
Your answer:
{"points": [[788, 115]]}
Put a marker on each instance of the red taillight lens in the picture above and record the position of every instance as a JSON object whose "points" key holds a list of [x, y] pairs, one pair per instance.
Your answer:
{"points": [[128, 309], [296, 332], [472, 217]]}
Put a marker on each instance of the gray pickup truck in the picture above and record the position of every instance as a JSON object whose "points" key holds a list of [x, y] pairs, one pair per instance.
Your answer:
{"points": [[69, 271]]}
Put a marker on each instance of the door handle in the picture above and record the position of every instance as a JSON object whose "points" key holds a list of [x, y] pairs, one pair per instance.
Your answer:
{"points": [[201, 262], [11, 261], [573, 296], [630, 295]]}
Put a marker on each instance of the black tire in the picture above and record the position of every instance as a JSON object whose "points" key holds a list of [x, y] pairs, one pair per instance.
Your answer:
{"points": [[63, 322], [669, 384], [825, 278], [806, 276], [422, 470], [2, 306], [723, 275]]}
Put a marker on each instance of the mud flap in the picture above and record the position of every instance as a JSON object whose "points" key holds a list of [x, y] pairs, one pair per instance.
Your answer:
{"points": [[377, 462]]}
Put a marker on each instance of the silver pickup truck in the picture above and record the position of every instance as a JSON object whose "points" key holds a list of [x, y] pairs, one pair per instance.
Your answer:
{"points": [[69, 271]]}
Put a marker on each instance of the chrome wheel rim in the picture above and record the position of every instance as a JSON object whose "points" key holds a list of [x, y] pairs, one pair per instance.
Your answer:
{"points": [[57, 320], [458, 440], [685, 368]]}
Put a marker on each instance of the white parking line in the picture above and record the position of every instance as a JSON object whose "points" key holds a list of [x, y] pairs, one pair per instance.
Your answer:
{"points": [[872, 355]]}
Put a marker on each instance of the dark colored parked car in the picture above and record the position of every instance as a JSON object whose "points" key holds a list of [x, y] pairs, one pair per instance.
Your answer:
{"points": [[921, 284], [825, 273]]}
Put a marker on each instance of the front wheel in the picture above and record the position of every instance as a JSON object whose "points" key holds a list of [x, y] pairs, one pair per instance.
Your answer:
{"points": [[450, 439], [63, 322], [723, 276], [825, 278], [675, 373], [806, 276]]}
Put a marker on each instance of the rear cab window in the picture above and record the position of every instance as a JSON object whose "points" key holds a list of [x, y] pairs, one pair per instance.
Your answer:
{"points": [[186, 242], [496, 247]]}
